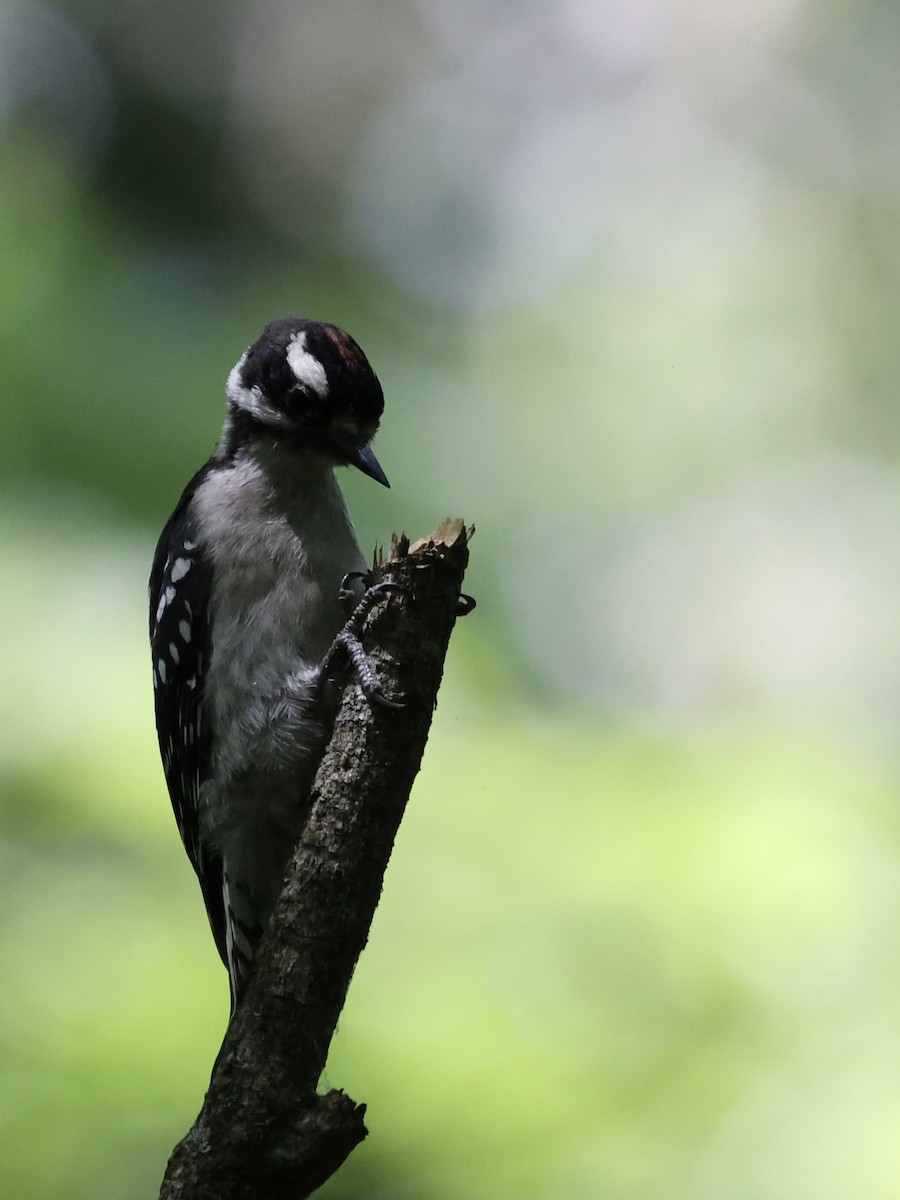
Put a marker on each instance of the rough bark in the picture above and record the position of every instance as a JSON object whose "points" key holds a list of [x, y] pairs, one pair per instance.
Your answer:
{"points": [[264, 1131]]}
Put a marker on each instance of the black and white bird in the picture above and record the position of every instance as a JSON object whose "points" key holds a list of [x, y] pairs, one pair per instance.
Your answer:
{"points": [[245, 604]]}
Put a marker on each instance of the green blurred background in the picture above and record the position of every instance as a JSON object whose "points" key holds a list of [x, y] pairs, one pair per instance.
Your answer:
{"points": [[629, 274]]}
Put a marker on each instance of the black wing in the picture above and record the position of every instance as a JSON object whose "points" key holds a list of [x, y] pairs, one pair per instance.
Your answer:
{"points": [[179, 639]]}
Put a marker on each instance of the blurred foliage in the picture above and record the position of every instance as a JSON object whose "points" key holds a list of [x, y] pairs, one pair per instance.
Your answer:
{"points": [[628, 274]]}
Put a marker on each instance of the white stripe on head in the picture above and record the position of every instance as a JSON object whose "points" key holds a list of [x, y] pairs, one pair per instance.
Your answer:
{"points": [[251, 399], [306, 367], [234, 388]]}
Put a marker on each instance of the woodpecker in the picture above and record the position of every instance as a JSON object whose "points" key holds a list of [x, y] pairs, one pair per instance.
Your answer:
{"points": [[246, 611]]}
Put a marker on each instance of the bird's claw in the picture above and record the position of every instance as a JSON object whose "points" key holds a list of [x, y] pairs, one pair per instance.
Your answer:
{"points": [[348, 644], [347, 596], [348, 641], [350, 599]]}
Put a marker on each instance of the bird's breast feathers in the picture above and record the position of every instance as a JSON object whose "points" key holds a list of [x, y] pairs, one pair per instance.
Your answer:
{"points": [[279, 553]]}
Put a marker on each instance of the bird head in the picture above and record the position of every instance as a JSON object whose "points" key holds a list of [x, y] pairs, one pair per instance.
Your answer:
{"points": [[309, 384]]}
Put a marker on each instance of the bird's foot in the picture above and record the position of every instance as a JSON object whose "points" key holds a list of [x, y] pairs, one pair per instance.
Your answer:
{"points": [[347, 646], [349, 595]]}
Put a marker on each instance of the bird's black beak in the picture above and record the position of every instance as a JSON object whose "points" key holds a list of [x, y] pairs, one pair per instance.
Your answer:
{"points": [[365, 460]]}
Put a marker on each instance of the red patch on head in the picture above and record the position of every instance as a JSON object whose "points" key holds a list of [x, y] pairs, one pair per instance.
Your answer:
{"points": [[348, 351]]}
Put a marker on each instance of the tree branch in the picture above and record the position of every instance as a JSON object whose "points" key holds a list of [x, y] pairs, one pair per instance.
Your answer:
{"points": [[264, 1131]]}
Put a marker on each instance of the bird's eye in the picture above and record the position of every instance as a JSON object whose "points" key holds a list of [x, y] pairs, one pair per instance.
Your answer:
{"points": [[304, 404]]}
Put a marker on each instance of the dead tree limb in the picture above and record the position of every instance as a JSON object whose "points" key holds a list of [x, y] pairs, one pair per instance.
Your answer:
{"points": [[264, 1131]]}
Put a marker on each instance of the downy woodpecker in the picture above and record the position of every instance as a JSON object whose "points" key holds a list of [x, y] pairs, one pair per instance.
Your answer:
{"points": [[244, 607]]}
